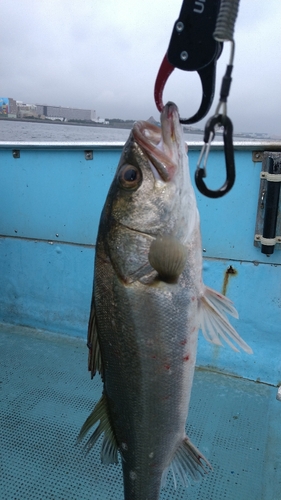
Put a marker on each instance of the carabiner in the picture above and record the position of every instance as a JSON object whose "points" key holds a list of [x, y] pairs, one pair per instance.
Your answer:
{"points": [[209, 134]]}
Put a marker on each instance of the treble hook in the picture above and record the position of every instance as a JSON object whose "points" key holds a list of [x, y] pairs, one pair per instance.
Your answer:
{"points": [[209, 134]]}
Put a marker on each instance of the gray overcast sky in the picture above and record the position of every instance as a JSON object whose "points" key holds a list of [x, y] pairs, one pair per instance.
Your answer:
{"points": [[105, 55]]}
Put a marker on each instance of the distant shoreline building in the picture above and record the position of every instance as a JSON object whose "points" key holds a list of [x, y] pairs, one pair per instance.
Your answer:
{"points": [[65, 114], [26, 110], [8, 107], [18, 109]]}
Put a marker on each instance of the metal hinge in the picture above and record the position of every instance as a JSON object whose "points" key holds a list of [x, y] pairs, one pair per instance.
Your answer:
{"points": [[89, 154], [257, 156], [16, 153]]}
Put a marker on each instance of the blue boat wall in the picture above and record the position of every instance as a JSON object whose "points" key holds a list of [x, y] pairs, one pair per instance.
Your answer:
{"points": [[51, 196]]}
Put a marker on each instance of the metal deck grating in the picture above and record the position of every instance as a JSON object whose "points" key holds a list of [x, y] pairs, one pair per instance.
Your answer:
{"points": [[46, 394]]}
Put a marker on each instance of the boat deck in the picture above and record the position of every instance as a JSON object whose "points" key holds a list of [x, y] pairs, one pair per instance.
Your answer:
{"points": [[46, 394]]}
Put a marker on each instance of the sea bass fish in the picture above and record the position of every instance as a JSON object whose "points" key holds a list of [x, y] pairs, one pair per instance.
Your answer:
{"points": [[148, 304]]}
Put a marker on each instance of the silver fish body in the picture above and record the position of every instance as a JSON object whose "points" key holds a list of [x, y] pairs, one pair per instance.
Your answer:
{"points": [[148, 304]]}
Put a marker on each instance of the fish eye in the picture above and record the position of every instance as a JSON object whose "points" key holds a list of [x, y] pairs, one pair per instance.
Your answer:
{"points": [[129, 177]]}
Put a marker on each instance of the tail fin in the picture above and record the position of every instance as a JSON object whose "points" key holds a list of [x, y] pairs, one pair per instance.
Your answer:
{"points": [[214, 322], [188, 460]]}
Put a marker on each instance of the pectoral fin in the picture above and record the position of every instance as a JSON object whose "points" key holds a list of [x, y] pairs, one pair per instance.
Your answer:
{"points": [[168, 257], [214, 323]]}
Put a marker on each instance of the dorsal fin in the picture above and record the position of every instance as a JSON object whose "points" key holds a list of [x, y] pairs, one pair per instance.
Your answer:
{"points": [[94, 357], [109, 447]]}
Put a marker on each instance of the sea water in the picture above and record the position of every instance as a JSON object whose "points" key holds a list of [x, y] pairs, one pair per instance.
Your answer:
{"points": [[38, 131]]}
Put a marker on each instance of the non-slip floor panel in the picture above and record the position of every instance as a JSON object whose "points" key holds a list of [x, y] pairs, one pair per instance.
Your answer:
{"points": [[46, 394]]}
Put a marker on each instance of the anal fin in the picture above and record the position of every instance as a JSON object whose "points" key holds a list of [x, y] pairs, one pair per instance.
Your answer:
{"points": [[109, 445], [214, 323]]}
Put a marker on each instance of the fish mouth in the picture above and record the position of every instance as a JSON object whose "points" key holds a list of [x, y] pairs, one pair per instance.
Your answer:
{"points": [[161, 145]]}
